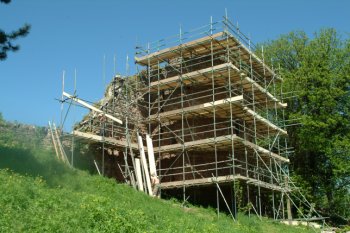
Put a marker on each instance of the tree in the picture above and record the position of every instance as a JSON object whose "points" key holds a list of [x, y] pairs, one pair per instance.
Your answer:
{"points": [[1, 119], [7, 39], [317, 71]]}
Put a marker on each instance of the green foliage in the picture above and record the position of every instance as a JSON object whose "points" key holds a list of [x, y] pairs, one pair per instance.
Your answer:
{"points": [[83, 157], [2, 121], [238, 191], [7, 39], [317, 71], [15, 135]]}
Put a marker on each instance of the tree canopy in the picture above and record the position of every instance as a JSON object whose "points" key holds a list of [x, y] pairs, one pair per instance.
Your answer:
{"points": [[317, 71], [7, 39]]}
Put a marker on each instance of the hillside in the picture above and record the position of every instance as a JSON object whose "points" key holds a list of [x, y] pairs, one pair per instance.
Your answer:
{"points": [[39, 194]]}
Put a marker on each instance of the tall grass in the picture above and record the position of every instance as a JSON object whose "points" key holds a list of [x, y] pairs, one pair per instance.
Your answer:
{"points": [[40, 194]]}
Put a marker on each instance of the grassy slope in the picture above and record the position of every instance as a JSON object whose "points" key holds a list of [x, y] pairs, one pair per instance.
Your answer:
{"points": [[39, 194]]}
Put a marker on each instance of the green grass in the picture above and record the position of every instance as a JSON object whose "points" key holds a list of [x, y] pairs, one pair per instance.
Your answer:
{"points": [[85, 203], [67, 200], [40, 194]]}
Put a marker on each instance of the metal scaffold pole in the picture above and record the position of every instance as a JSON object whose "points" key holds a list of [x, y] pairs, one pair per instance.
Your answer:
{"points": [[182, 122], [214, 114], [232, 129], [73, 139]]}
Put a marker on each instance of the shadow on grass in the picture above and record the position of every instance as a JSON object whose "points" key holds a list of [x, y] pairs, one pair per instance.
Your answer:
{"points": [[32, 163]]}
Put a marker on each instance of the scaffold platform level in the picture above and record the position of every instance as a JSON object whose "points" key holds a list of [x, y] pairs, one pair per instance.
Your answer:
{"points": [[197, 46], [217, 42], [222, 110], [221, 73], [108, 140], [222, 143], [220, 180]]}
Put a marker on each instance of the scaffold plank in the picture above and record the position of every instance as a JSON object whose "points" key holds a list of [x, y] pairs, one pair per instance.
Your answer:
{"points": [[171, 52], [203, 46], [197, 76], [201, 109], [220, 179], [222, 109], [108, 140], [221, 73]]}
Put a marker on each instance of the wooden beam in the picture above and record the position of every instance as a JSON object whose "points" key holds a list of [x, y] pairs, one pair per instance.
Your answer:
{"points": [[89, 106], [109, 140], [219, 179], [151, 160], [98, 170], [138, 174], [53, 140], [144, 165]]}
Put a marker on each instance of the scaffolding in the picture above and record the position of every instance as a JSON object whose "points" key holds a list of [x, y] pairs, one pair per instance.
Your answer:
{"points": [[215, 113]]}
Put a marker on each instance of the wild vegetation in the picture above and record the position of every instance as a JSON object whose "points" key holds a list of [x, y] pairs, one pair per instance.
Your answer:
{"points": [[316, 72], [40, 194]]}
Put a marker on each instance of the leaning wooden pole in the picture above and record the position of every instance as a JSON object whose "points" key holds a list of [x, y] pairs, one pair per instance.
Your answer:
{"points": [[59, 144], [138, 174], [152, 165], [89, 106], [98, 170], [53, 140], [145, 165]]}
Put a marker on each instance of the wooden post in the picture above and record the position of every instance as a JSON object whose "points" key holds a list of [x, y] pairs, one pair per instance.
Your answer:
{"points": [[144, 165], [152, 165], [63, 154], [138, 174]]}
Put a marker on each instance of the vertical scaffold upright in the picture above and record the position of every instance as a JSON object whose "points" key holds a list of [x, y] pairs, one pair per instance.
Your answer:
{"points": [[215, 115]]}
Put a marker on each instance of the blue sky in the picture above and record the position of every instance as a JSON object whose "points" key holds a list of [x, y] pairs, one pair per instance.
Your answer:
{"points": [[78, 34]]}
